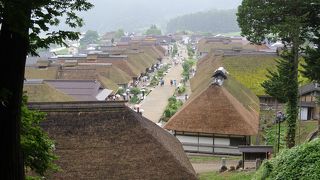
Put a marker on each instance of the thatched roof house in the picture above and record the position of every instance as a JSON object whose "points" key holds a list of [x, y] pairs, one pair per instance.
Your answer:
{"points": [[216, 119], [110, 141]]}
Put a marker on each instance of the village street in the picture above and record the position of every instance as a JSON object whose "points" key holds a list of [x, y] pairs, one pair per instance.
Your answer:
{"points": [[155, 103]]}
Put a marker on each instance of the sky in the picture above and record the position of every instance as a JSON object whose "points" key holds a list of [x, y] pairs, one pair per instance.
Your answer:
{"points": [[132, 15]]}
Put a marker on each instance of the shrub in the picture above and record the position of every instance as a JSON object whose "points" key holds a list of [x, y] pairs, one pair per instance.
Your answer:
{"points": [[134, 100], [300, 162], [135, 91], [181, 90]]}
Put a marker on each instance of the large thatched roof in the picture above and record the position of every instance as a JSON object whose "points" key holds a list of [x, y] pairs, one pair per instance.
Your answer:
{"points": [[231, 109], [110, 141], [215, 110]]}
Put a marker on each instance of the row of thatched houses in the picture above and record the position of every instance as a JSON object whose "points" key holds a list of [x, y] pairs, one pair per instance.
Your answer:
{"points": [[112, 68]]}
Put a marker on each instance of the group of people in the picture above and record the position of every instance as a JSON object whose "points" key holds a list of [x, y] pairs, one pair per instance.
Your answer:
{"points": [[173, 82]]}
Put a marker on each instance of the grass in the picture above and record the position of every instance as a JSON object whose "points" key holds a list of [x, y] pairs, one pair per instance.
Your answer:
{"points": [[203, 159], [306, 127], [227, 175]]}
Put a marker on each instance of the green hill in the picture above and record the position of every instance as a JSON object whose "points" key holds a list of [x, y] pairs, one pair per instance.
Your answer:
{"points": [[214, 21]]}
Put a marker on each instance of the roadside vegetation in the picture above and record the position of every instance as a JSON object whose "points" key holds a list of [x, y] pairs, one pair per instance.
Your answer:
{"points": [[172, 108], [299, 162], [37, 147]]}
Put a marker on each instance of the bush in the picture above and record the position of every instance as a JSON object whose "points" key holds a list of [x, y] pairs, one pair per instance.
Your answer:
{"points": [[134, 100], [171, 108], [135, 91], [181, 90], [300, 162]]}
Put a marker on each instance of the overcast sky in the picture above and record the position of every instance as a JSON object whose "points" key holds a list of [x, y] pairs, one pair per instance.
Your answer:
{"points": [[137, 14]]}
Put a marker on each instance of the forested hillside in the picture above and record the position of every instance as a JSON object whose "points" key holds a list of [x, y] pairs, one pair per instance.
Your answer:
{"points": [[215, 21]]}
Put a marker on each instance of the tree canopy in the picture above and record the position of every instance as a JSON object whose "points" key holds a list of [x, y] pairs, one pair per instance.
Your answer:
{"points": [[153, 30], [91, 37], [119, 33], [214, 21], [291, 22]]}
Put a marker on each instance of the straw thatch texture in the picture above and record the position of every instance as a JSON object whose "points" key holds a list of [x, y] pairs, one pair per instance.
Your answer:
{"points": [[231, 109], [38, 73], [105, 141], [215, 111], [45, 93]]}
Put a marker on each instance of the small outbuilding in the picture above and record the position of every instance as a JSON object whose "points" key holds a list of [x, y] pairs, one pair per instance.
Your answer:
{"points": [[252, 153]]}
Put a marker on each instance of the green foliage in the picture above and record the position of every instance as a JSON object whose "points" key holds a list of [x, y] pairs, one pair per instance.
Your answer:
{"points": [[119, 33], [181, 89], [153, 30], [36, 146], [271, 135], [154, 81], [312, 62], [91, 37], [121, 91], [174, 50], [187, 65], [134, 100], [277, 83], [217, 21], [135, 91], [46, 14], [171, 108], [292, 23], [191, 51], [300, 162]]}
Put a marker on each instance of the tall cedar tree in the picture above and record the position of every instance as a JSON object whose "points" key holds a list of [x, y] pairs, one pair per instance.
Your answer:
{"points": [[21, 22], [292, 22]]}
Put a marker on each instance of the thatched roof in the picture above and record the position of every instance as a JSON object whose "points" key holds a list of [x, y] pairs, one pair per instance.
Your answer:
{"points": [[231, 109], [38, 73], [216, 111], [43, 63], [43, 92], [110, 141]]}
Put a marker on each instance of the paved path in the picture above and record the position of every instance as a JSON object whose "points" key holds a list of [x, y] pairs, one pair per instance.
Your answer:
{"points": [[155, 103]]}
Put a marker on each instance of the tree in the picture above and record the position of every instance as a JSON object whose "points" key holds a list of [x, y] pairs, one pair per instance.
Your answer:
{"points": [[22, 23], [290, 22], [36, 146], [119, 33], [153, 30], [91, 37]]}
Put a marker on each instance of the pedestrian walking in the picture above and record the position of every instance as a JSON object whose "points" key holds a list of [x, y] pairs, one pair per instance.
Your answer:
{"points": [[175, 82], [171, 82]]}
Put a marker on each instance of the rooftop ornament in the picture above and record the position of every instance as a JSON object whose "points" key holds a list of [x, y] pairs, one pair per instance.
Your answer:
{"points": [[219, 76]]}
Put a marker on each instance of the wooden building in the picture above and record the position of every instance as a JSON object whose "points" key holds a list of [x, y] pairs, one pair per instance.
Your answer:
{"points": [[309, 109]]}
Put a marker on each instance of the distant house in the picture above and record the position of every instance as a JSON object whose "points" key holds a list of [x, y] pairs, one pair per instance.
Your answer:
{"points": [[107, 140], [81, 90], [309, 109], [216, 119]]}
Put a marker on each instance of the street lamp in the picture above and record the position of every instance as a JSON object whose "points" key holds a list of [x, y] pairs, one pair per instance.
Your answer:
{"points": [[279, 118]]}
